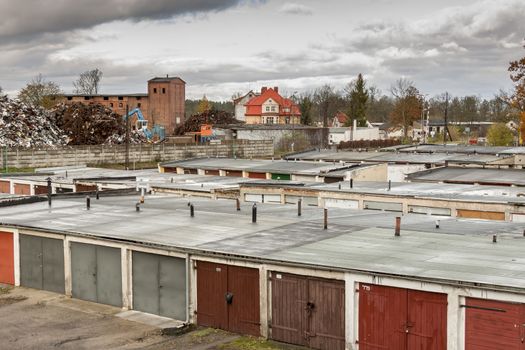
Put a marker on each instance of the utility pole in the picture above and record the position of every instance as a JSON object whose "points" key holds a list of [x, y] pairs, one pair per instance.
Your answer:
{"points": [[127, 137], [446, 120]]}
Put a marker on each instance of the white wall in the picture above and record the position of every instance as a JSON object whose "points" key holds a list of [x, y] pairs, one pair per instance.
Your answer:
{"points": [[398, 172]]}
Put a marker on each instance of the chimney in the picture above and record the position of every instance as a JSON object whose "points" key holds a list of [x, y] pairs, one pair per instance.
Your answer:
{"points": [[263, 89], [276, 88]]}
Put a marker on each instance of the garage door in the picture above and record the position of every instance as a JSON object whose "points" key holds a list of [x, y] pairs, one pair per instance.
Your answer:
{"points": [[418, 209], [277, 176], [494, 325], [85, 188], [400, 319], [42, 263], [5, 187], [96, 273], [272, 198], [341, 203], [40, 189], [476, 214], [212, 172], [308, 311], [253, 175], [311, 201], [159, 285], [228, 297], [234, 173], [257, 198], [22, 189], [373, 205], [7, 256]]}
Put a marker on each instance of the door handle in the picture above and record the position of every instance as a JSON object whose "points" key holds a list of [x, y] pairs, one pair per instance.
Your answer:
{"points": [[229, 298]]}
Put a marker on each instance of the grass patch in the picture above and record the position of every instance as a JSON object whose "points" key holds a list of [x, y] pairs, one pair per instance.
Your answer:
{"points": [[250, 343], [204, 334], [17, 170], [122, 166], [5, 290]]}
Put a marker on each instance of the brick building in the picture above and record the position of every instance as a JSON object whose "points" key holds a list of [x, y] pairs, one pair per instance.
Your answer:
{"points": [[163, 104]]}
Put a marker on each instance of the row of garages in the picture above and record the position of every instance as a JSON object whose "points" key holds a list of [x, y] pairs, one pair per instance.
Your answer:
{"points": [[426, 206], [320, 309], [32, 188]]}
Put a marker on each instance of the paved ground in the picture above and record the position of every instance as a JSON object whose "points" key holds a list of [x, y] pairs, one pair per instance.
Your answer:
{"points": [[33, 319]]}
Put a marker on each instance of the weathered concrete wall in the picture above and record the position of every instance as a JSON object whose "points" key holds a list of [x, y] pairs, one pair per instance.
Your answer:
{"points": [[101, 154]]}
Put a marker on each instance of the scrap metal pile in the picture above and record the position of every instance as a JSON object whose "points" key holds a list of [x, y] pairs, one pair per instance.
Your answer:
{"points": [[24, 126], [212, 116]]}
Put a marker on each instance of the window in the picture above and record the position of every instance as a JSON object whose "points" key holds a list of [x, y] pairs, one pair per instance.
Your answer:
{"points": [[106, 98], [163, 90], [111, 104], [269, 120], [86, 98], [139, 105], [267, 108], [139, 98], [287, 120], [273, 108], [69, 98], [120, 104], [120, 98], [154, 90]]}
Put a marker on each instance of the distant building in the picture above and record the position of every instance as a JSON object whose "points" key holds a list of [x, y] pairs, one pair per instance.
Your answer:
{"points": [[340, 119], [353, 133], [239, 103], [163, 104], [270, 108]]}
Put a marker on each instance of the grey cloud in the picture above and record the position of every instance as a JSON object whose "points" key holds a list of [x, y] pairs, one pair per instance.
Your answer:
{"points": [[295, 9], [20, 20]]}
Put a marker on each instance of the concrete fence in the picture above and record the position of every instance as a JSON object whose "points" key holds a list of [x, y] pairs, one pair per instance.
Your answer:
{"points": [[101, 154]]}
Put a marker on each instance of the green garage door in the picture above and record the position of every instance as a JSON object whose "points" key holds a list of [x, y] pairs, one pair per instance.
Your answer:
{"points": [[42, 263], [276, 176], [159, 285], [96, 273]]}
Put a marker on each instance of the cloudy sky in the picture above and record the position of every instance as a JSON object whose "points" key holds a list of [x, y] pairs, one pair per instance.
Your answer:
{"points": [[220, 47]]}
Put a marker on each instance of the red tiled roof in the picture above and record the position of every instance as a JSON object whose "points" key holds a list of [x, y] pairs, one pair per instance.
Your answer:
{"points": [[254, 105], [341, 117]]}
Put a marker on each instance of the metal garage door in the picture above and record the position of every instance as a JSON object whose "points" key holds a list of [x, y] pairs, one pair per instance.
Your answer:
{"points": [[22, 189], [253, 175], [418, 209], [249, 197], [228, 297], [494, 325], [7, 256], [476, 214], [40, 189], [311, 201], [308, 311], [85, 188], [96, 273], [234, 173], [212, 172], [341, 203], [42, 263], [388, 206], [159, 285], [400, 319], [5, 187], [272, 198], [277, 176]]}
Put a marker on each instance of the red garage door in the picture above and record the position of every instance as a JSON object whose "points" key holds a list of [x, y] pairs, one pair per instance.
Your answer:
{"points": [[39, 189], [228, 297], [494, 325], [22, 189], [7, 270], [253, 175], [5, 187], [401, 319]]}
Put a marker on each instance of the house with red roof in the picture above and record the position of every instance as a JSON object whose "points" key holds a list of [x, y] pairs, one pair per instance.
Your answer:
{"points": [[339, 120], [271, 108]]}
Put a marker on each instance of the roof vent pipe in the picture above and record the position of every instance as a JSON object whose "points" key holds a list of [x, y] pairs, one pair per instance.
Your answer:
{"points": [[494, 238], [50, 191], [351, 183], [88, 203], [254, 213], [299, 209], [192, 209], [137, 206], [238, 204], [397, 232], [325, 226], [389, 185], [437, 223], [97, 195]]}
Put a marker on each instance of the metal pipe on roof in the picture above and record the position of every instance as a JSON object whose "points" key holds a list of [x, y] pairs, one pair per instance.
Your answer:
{"points": [[494, 238], [397, 232], [389, 185], [254, 213], [137, 207], [325, 219], [299, 209], [238, 204], [88, 202], [192, 210], [97, 194], [351, 183], [49, 191]]}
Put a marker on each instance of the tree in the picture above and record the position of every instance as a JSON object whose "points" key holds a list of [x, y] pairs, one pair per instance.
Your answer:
{"points": [[325, 97], [88, 83], [358, 102], [204, 105], [499, 135], [40, 93], [517, 75], [305, 106], [408, 104]]}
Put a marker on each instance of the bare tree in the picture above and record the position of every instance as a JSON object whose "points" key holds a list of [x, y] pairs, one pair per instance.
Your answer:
{"points": [[324, 97], [40, 93], [88, 82], [408, 104]]}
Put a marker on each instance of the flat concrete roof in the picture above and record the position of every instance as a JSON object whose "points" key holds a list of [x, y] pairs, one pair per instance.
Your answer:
{"points": [[459, 252], [471, 149], [258, 165], [471, 175], [397, 157]]}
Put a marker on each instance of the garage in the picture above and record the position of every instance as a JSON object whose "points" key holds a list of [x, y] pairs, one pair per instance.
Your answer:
{"points": [[418, 209], [96, 273], [85, 188], [308, 311], [40, 189], [341, 203], [277, 176], [252, 197], [401, 319], [7, 256], [493, 325], [213, 172], [387, 206], [311, 201], [478, 214], [22, 189], [5, 187], [253, 175], [159, 285], [228, 297], [233, 173], [42, 263]]}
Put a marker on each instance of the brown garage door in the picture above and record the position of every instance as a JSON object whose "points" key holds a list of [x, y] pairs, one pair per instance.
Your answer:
{"points": [[308, 311], [476, 214], [39, 189], [212, 172], [7, 264], [234, 173], [494, 325], [5, 187], [22, 189], [228, 297], [400, 319], [85, 188], [253, 175]]}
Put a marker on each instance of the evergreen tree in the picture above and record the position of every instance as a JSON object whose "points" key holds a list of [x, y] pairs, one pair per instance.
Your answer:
{"points": [[358, 102]]}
